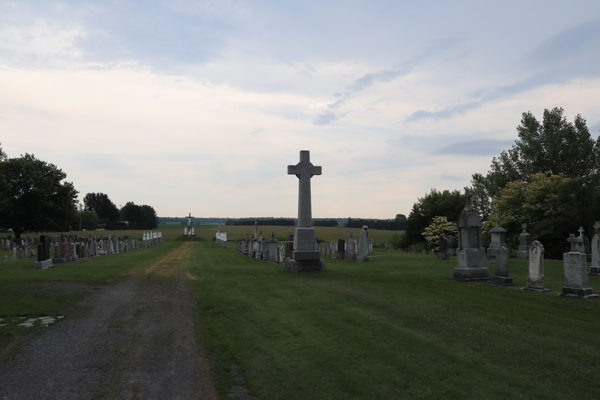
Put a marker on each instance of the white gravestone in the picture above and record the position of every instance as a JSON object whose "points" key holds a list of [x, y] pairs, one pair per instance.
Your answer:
{"points": [[535, 280], [363, 249], [304, 257]]}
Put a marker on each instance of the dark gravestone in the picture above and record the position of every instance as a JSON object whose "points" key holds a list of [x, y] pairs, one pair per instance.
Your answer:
{"points": [[443, 252], [501, 278], [341, 249]]}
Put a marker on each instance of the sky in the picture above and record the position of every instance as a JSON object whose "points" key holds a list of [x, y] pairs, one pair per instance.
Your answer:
{"points": [[199, 106]]}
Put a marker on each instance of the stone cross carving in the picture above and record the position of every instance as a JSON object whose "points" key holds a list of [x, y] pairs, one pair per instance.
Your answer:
{"points": [[524, 226], [597, 227], [573, 241], [467, 197], [304, 170], [497, 220], [581, 230]]}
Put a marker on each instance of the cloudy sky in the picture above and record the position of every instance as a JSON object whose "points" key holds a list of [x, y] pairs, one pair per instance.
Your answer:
{"points": [[200, 106]]}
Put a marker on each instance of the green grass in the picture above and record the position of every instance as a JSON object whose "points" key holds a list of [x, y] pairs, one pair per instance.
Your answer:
{"points": [[395, 327]]}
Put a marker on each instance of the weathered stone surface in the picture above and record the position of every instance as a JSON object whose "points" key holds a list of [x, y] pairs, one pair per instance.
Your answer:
{"points": [[292, 265], [501, 276], [535, 280], [576, 277], [595, 245], [341, 249], [470, 254], [524, 241], [363, 249]]}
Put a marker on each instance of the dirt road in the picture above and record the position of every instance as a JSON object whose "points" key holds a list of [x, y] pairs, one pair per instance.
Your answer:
{"points": [[130, 340]]}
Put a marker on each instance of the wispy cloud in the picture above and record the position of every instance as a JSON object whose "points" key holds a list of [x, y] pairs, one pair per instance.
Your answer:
{"points": [[485, 147], [326, 118]]}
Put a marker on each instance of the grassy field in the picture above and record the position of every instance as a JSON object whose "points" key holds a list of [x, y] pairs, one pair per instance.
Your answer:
{"points": [[395, 327]]}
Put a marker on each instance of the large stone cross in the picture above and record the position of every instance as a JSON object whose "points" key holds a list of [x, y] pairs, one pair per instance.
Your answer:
{"points": [[304, 170]]}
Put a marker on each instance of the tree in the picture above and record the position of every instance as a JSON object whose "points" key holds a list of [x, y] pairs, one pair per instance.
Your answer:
{"points": [[555, 146], [150, 217], [139, 217], [102, 205], [552, 206], [2, 154], [89, 220], [440, 226], [446, 204], [35, 198]]}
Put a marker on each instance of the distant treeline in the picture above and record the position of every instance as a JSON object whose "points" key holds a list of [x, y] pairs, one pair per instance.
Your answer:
{"points": [[325, 222], [397, 224], [195, 221], [261, 221]]}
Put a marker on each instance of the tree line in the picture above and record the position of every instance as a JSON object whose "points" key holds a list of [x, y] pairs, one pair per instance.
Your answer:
{"points": [[261, 221], [35, 197], [397, 224], [549, 179]]}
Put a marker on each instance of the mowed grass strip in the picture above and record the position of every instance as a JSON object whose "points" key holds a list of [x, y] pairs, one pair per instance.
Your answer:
{"points": [[27, 292], [395, 327]]}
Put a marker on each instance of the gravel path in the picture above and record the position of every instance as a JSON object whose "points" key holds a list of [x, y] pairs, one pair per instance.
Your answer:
{"points": [[130, 340]]}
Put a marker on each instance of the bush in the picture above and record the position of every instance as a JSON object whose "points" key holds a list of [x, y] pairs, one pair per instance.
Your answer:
{"points": [[440, 226]]}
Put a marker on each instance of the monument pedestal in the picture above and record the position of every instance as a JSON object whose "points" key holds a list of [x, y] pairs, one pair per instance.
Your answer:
{"points": [[470, 266], [43, 264], [501, 280], [594, 271], [536, 289], [293, 265], [362, 258], [583, 293]]}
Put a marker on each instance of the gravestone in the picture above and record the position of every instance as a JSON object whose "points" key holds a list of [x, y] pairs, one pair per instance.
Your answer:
{"points": [[341, 249], [470, 254], [498, 240], [501, 278], [535, 280], [43, 254], [576, 271], [524, 241], [350, 248], [304, 257], [371, 247], [595, 245], [363, 248], [451, 245], [442, 254], [273, 253]]}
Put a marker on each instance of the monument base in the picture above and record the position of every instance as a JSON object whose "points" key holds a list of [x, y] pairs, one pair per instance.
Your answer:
{"points": [[501, 280], [471, 258], [595, 271], [59, 260], [471, 274], [293, 265], [534, 289], [442, 256], [351, 257], [43, 264], [584, 293], [362, 258], [522, 252], [340, 256], [306, 255]]}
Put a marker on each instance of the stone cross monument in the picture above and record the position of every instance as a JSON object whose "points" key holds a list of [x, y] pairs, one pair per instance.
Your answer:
{"points": [[305, 257]]}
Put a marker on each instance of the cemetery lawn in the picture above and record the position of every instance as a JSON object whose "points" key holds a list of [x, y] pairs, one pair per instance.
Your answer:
{"points": [[395, 327], [30, 293]]}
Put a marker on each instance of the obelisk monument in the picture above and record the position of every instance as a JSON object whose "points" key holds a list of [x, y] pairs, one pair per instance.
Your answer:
{"points": [[305, 256]]}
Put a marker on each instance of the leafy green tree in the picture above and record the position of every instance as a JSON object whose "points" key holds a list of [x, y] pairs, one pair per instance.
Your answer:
{"points": [[89, 220], [150, 217], [102, 205], [140, 217], [446, 204], [440, 226], [35, 195], [554, 146], [2, 154], [552, 206]]}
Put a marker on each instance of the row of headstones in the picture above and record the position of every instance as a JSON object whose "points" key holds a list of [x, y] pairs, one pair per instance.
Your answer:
{"points": [[189, 232], [574, 264], [350, 250], [268, 250], [470, 257], [52, 250]]}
